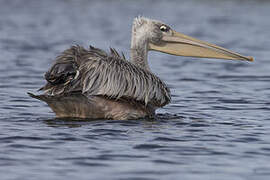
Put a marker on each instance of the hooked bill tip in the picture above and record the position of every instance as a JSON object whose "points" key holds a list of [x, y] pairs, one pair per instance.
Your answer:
{"points": [[250, 58]]}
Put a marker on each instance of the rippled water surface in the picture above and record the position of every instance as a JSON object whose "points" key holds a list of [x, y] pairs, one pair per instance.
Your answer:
{"points": [[217, 126]]}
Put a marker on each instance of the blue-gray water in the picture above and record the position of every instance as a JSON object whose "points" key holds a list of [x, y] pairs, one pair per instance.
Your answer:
{"points": [[217, 126]]}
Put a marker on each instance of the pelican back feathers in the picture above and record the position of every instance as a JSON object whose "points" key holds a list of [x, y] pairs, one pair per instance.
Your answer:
{"points": [[93, 72]]}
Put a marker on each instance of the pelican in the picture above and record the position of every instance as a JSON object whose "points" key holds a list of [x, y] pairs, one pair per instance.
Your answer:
{"points": [[90, 83]]}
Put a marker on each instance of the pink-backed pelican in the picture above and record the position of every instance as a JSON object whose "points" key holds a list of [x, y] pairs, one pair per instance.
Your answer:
{"points": [[89, 83]]}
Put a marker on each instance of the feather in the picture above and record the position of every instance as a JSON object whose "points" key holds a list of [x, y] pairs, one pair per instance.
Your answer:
{"points": [[96, 73]]}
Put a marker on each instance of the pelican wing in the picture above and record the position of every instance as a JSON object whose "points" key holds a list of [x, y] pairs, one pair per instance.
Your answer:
{"points": [[95, 73]]}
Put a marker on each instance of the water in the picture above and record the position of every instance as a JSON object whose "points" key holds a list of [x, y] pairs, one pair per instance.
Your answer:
{"points": [[217, 126]]}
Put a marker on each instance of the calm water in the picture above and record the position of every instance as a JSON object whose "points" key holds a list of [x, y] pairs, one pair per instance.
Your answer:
{"points": [[217, 126]]}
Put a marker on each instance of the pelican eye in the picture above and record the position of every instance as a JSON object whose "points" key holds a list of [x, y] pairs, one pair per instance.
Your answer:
{"points": [[164, 28]]}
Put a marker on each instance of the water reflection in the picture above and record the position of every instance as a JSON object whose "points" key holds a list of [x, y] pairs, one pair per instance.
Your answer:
{"points": [[78, 122], [68, 122]]}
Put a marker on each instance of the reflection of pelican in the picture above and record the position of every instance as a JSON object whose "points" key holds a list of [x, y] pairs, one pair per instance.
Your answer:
{"points": [[89, 83]]}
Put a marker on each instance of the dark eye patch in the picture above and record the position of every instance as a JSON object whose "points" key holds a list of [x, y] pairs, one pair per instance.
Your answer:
{"points": [[164, 28]]}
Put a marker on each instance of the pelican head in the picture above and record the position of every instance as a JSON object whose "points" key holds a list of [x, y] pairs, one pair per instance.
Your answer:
{"points": [[154, 35]]}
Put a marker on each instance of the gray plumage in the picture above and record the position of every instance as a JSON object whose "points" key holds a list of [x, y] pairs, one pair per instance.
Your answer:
{"points": [[82, 76], [89, 83], [93, 72]]}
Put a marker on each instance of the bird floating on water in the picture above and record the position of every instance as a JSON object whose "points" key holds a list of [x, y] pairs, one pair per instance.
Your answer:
{"points": [[89, 83]]}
